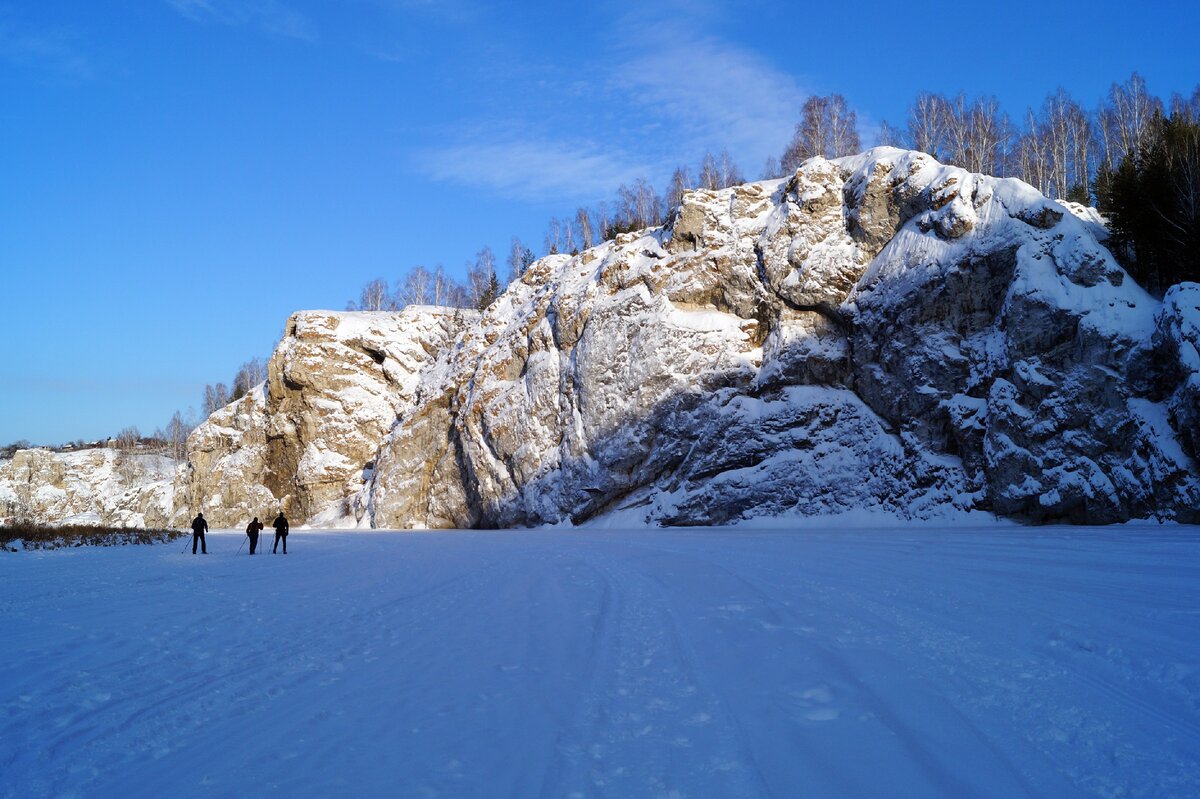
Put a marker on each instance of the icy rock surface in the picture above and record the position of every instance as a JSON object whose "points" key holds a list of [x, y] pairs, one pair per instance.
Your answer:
{"points": [[879, 331], [95, 486]]}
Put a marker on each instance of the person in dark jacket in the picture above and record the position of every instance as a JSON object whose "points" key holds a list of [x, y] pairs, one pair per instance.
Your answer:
{"points": [[252, 530], [281, 530], [199, 528]]}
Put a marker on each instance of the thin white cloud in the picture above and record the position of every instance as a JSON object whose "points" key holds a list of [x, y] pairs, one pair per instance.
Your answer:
{"points": [[667, 95], [270, 16], [712, 92], [50, 51], [529, 169]]}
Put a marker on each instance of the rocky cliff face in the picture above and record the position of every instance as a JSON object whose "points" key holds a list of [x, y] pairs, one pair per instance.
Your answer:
{"points": [[95, 486], [880, 332], [305, 440]]}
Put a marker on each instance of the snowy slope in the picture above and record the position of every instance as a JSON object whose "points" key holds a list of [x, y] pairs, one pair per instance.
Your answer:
{"points": [[994, 662]]}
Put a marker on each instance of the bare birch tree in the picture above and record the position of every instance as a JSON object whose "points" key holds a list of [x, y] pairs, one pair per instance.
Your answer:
{"points": [[516, 259], [554, 236], [927, 123], [710, 173], [1187, 108], [127, 439], [889, 136], [1033, 154], [843, 128], [680, 183], [987, 134], [1131, 111], [216, 396], [249, 375], [771, 169], [417, 287], [176, 436], [440, 286], [374, 297], [602, 219], [827, 128], [481, 277], [583, 223], [729, 174]]}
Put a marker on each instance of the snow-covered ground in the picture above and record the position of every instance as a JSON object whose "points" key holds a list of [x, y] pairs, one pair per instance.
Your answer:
{"points": [[998, 662]]}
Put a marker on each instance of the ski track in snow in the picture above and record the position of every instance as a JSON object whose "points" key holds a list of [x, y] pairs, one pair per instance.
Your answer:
{"points": [[916, 661]]}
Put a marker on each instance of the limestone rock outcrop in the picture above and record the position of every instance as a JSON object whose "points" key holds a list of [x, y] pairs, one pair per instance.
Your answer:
{"points": [[95, 486], [876, 332], [305, 441]]}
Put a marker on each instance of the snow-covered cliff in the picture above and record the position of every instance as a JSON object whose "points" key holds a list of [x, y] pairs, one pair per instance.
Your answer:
{"points": [[305, 440], [94, 486], [879, 332]]}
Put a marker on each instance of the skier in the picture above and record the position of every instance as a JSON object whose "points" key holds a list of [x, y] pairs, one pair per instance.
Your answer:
{"points": [[252, 530], [281, 530], [199, 528]]}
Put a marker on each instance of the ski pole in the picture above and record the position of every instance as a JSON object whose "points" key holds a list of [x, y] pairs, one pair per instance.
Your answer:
{"points": [[184, 550], [243, 544]]}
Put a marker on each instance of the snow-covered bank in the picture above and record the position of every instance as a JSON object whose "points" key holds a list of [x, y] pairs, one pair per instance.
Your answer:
{"points": [[1010, 662]]}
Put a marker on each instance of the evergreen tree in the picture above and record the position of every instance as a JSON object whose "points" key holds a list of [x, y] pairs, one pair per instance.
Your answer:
{"points": [[489, 293], [1153, 202]]}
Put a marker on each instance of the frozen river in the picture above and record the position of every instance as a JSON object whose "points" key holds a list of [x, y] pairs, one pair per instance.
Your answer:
{"points": [[994, 662]]}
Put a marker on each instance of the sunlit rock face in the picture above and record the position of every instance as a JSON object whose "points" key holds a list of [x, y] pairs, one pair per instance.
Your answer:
{"points": [[880, 332], [305, 440], [94, 487]]}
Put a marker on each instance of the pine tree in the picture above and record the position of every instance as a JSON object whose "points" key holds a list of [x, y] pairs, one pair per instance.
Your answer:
{"points": [[490, 293], [1153, 202]]}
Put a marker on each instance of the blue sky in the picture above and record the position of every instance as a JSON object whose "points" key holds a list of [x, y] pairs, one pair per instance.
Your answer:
{"points": [[178, 176]]}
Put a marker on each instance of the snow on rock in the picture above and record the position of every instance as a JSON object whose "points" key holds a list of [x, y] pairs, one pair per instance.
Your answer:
{"points": [[879, 333], [1175, 363], [225, 474], [337, 382], [95, 486], [1028, 314], [1096, 224], [963, 342]]}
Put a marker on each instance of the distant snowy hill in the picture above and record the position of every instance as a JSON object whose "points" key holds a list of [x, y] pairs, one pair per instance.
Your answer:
{"points": [[880, 333]]}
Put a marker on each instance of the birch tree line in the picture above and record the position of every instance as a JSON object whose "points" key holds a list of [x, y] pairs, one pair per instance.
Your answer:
{"points": [[636, 206], [1134, 155], [1061, 148]]}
